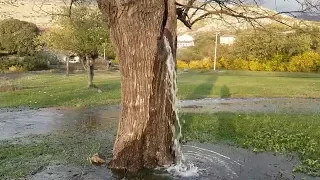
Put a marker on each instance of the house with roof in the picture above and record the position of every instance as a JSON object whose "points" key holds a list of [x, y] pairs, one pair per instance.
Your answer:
{"points": [[185, 41], [227, 39]]}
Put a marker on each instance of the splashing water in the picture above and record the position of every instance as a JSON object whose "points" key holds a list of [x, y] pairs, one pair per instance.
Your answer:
{"points": [[181, 168]]}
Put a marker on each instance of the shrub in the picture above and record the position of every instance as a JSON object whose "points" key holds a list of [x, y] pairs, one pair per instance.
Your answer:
{"points": [[306, 62], [35, 63], [269, 66], [16, 68], [240, 64], [7, 62], [256, 66], [196, 64], [282, 67], [224, 63], [205, 63], [18, 36], [182, 64], [29, 63], [115, 61]]}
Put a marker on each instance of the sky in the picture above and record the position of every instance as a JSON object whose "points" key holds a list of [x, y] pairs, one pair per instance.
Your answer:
{"points": [[281, 5]]}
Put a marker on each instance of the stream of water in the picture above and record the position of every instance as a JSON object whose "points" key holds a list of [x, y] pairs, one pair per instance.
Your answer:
{"points": [[182, 167]]}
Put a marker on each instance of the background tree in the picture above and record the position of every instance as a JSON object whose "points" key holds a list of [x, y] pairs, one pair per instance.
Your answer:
{"points": [[264, 45], [18, 36], [83, 33]]}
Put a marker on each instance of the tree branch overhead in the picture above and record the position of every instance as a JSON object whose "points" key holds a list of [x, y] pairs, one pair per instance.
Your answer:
{"points": [[191, 11]]}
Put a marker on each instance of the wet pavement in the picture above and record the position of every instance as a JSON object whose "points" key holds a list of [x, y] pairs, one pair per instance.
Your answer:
{"points": [[23, 122]]}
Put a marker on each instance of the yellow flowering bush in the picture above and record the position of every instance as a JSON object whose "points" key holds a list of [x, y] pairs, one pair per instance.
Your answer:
{"points": [[205, 63], [182, 64], [16, 69], [306, 62]]}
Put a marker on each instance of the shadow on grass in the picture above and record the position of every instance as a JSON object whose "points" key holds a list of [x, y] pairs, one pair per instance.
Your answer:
{"points": [[204, 89], [225, 92], [218, 127], [226, 127], [110, 85]]}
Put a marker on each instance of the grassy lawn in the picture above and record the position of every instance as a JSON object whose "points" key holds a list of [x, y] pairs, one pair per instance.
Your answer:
{"points": [[45, 90]]}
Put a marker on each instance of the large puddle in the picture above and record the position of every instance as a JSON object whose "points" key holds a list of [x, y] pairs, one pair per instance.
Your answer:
{"points": [[23, 122], [213, 161]]}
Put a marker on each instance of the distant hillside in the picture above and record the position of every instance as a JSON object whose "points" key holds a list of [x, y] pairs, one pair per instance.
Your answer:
{"points": [[36, 11], [39, 12], [309, 17], [29, 10]]}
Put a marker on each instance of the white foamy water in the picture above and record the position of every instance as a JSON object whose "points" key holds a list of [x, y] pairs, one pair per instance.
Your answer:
{"points": [[181, 168], [195, 160]]}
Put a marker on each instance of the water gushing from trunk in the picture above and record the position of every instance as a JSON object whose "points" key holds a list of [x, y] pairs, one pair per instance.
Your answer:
{"points": [[181, 167]]}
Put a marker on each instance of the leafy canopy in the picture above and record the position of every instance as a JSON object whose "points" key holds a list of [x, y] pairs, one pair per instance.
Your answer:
{"points": [[18, 36], [83, 33]]}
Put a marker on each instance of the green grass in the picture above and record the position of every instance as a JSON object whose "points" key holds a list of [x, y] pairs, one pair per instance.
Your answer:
{"points": [[18, 160], [46, 90], [296, 134], [250, 84]]}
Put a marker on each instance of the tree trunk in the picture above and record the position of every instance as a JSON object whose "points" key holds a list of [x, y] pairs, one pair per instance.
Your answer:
{"points": [[90, 71], [142, 32], [67, 68]]}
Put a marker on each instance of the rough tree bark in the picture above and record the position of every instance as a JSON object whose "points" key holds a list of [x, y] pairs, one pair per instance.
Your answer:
{"points": [[140, 30], [90, 70], [67, 66]]}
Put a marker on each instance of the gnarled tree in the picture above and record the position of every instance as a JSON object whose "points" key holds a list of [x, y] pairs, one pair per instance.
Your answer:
{"points": [[144, 34]]}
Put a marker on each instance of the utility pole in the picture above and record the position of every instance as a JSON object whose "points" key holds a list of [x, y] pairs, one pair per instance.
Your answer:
{"points": [[104, 51], [215, 52]]}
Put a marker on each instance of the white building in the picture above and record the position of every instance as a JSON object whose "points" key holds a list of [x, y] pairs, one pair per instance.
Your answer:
{"points": [[185, 41], [227, 39]]}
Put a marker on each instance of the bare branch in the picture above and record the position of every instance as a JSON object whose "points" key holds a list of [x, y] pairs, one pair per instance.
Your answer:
{"points": [[239, 9], [67, 4]]}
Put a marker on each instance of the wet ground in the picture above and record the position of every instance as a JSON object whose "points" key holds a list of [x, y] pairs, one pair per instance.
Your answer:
{"points": [[22, 122], [219, 162], [214, 161], [266, 105]]}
